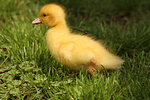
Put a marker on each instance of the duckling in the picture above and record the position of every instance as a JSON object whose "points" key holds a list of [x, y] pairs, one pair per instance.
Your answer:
{"points": [[75, 51]]}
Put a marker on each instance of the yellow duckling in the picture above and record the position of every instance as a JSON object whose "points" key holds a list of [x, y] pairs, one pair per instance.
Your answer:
{"points": [[75, 51]]}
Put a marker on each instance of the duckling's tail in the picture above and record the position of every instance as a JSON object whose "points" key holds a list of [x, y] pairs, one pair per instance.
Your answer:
{"points": [[112, 62]]}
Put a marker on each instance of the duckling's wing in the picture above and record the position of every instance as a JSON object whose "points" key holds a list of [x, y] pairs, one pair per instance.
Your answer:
{"points": [[65, 50]]}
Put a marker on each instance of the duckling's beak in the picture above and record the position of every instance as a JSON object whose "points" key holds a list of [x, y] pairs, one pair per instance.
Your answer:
{"points": [[37, 21]]}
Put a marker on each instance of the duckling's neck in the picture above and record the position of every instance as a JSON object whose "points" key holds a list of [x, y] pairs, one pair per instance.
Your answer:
{"points": [[58, 32], [60, 28]]}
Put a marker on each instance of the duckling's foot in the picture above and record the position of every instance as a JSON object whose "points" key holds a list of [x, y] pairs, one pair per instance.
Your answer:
{"points": [[91, 68]]}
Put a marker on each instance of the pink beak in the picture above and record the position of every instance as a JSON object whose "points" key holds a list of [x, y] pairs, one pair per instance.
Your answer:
{"points": [[36, 21]]}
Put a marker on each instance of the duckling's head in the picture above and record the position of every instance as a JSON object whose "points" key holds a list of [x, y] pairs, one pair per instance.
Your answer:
{"points": [[50, 15]]}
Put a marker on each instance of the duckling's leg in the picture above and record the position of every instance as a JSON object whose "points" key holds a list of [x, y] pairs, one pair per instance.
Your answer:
{"points": [[91, 68]]}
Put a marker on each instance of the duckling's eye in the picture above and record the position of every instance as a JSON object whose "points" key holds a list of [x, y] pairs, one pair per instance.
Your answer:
{"points": [[44, 15]]}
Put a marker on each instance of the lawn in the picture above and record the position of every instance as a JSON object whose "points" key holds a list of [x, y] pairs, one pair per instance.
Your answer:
{"points": [[28, 71]]}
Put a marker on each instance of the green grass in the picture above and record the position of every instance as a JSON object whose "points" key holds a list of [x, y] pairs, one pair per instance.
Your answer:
{"points": [[28, 71]]}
